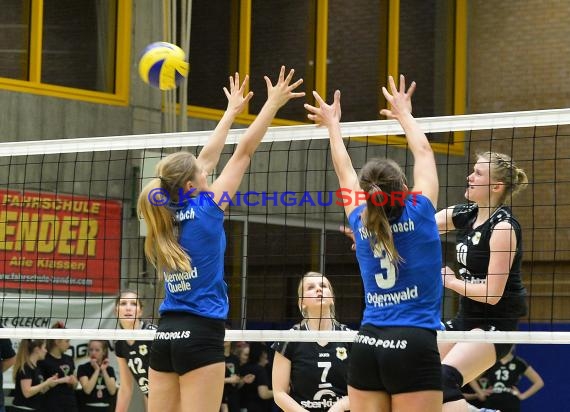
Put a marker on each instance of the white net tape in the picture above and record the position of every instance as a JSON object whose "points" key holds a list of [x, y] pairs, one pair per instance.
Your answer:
{"points": [[287, 335], [484, 121]]}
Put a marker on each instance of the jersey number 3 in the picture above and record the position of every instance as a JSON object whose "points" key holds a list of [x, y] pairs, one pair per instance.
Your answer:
{"points": [[385, 280]]}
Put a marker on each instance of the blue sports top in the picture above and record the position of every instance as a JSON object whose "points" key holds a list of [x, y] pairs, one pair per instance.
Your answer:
{"points": [[409, 295], [202, 291]]}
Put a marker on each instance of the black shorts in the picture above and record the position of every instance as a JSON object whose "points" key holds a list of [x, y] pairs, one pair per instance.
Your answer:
{"points": [[184, 342], [395, 360], [503, 402], [489, 325]]}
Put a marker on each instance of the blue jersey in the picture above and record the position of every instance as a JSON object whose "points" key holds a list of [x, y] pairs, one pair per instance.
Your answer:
{"points": [[408, 295], [202, 291]]}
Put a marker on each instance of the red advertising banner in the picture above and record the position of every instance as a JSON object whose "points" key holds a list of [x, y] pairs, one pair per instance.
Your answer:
{"points": [[56, 242]]}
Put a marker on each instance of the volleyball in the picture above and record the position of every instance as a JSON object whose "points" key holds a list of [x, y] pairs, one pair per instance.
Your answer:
{"points": [[163, 65]]}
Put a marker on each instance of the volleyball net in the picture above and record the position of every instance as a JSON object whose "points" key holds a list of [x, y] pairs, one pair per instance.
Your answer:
{"points": [[70, 237]]}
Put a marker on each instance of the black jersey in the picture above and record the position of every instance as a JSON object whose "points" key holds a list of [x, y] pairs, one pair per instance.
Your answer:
{"points": [[501, 378], [137, 356], [473, 254], [99, 395], [6, 352], [61, 396], [250, 398], [318, 373], [33, 403], [231, 391]]}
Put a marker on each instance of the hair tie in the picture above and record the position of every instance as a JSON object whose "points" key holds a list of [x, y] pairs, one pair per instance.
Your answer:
{"points": [[374, 188]]}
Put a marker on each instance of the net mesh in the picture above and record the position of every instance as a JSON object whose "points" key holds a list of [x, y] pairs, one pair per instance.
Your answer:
{"points": [[70, 237]]}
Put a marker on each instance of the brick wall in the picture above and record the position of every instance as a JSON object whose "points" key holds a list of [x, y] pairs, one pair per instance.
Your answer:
{"points": [[519, 55]]}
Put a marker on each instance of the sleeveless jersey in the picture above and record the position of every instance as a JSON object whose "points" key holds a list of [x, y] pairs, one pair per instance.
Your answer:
{"points": [[202, 291], [137, 357], [473, 253], [408, 295], [318, 373]]}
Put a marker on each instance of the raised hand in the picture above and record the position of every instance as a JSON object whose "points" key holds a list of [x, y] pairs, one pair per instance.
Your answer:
{"points": [[95, 365], [400, 100], [325, 114], [282, 92], [104, 365], [236, 100]]}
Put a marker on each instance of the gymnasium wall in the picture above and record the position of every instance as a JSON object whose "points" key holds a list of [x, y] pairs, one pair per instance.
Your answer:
{"points": [[519, 59]]}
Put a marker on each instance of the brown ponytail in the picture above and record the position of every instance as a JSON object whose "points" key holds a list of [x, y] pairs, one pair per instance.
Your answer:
{"points": [[377, 223], [382, 178]]}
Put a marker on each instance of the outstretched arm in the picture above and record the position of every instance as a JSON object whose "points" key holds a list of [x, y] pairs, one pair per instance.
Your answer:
{"points": [[277, 96], [444, 220], [210, 154], [329, 116], [425, 171]]}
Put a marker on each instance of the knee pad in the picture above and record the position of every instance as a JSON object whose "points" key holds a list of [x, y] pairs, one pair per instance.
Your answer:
{"points": [[452, 381]]}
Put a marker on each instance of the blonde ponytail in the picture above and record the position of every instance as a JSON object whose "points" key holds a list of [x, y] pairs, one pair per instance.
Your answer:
{"points": [[504, 170], [25, 349], [520, 182], [161, 245]]}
